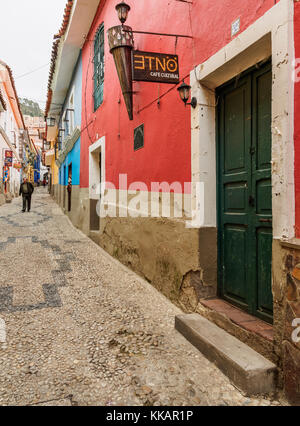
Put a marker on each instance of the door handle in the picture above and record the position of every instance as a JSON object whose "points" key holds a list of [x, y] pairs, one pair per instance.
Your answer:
{"points": [[251, 201]]}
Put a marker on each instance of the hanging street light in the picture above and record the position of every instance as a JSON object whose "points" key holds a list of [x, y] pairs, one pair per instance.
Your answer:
{"points": [[184, 93], [123, 10], [50, 122], [121, 44]]}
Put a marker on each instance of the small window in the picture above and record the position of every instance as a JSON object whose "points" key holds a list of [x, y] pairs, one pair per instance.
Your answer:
{"points": [[98, 67], [65, 125], [139, 137], [71, 113]]}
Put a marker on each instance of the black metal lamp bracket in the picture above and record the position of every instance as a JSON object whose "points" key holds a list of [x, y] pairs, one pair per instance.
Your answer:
{"points": [[193, 102], [160, 34]]}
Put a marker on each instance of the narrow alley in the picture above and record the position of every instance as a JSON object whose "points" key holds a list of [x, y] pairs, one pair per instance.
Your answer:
{"points": [[77, 332]]}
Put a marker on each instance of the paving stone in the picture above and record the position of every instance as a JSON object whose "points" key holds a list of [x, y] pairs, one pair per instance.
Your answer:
{"points": [[81, 329]]}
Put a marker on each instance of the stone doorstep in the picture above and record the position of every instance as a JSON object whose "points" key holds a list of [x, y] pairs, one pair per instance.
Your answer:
{"points": [[249, 371], [240, 318]]}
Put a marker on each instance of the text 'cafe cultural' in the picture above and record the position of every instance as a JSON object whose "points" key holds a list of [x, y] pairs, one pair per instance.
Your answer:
{"points": [[156, 67]]}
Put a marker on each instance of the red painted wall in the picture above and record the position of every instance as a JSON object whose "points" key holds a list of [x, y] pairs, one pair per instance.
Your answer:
{"points": [[167, 152], [297, 123]]}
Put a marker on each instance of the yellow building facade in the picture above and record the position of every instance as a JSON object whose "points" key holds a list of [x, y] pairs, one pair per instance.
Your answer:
{"points": [[50, 160]]}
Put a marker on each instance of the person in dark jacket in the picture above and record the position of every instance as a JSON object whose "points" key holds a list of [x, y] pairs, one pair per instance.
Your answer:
{"points": [[26, 190]]}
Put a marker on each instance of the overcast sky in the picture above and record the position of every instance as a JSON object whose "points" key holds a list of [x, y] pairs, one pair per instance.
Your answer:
{"points": [[26, 36]]}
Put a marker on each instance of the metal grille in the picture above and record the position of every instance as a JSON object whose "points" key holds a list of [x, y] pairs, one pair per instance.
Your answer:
{"points": [[99, 67], [139, 137]]}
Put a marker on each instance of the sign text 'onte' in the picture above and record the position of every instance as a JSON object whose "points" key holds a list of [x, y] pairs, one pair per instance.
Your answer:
{"points": [[155, 67]]}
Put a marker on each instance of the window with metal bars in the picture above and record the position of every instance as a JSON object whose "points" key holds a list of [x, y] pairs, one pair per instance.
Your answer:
{"points": [[98, 67]]}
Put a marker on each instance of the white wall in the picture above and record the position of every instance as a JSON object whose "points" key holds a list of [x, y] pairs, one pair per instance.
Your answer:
{"points": [[9, 124]]}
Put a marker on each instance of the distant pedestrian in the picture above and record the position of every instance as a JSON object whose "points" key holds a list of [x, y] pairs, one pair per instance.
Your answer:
{"points": [[26, 190], [69, 189], [44, 182]]}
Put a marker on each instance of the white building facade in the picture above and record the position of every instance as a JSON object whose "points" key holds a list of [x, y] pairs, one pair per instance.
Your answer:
{"points": [[12, 131]]}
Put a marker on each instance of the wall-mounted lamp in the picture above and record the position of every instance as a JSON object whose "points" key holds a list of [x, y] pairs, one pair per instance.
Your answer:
{"points": [[51, 122], [184, 93], [123, 10]]}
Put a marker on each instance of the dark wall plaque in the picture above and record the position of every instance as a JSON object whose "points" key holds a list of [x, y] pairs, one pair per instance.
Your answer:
{"points": [[155, 67], [139, 137]]}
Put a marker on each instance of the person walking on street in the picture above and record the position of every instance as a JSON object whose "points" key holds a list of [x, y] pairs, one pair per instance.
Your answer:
{"points": [[69, 189], [26, 190]]}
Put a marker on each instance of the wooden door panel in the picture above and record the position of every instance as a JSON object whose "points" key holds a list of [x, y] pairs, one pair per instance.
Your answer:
{"points": [[235, 141], [264, 267], [264, 197], [235, 131], [245, 192], [235, 259], [235, 197], [263, 140], [262, 300]]}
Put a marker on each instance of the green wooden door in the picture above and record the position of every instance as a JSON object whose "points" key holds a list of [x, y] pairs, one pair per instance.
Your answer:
{"points": [[244, 192]]}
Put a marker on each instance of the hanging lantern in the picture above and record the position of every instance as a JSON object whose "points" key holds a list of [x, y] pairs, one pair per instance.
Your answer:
{"points": [[50, 122], [184, 93], [120, 40], [123, 10]]}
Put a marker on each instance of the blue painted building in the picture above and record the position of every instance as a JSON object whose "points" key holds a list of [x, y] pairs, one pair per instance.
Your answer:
{"points": [[68, 159], [37, 168]]}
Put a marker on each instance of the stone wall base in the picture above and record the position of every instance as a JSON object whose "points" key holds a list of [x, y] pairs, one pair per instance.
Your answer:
{"points": [[79, 213], [287, 302], [54, 191], [180, 262]]}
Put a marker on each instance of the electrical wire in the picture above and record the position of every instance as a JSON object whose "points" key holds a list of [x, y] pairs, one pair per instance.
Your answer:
{"points": [[86, 127], [33, 71], [194, 55], [161, 96], [146, 106]]}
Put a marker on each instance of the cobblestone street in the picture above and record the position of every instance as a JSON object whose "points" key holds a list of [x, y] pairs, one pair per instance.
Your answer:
{"points": [[84, 330]]}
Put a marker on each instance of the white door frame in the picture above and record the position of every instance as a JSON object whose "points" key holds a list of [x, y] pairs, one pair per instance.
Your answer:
{"points": [[94, 176], [271, 35]]}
